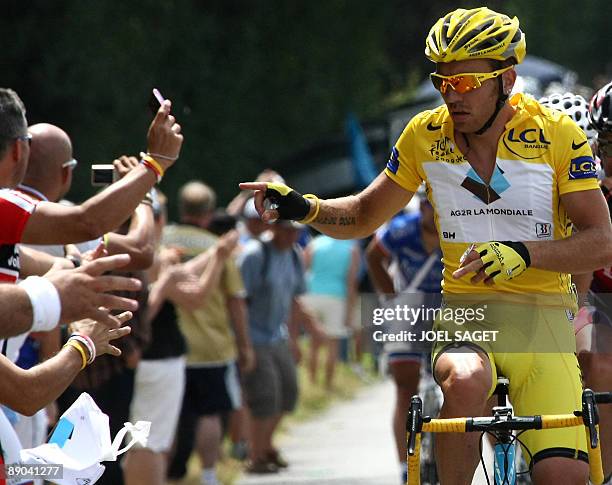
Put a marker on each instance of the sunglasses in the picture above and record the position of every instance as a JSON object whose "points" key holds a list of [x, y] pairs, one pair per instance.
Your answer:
{"points": [[27, 137], [70, 164], [464, 82]]}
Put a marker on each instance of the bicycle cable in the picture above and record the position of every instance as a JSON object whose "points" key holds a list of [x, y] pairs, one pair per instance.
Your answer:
{"points": [[484, 468], [524, 447]]}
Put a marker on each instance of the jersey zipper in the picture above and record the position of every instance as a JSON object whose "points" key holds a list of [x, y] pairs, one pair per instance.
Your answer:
{"points": [[490, 217]]}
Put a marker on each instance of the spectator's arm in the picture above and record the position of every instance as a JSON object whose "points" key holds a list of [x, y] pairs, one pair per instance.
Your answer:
{"points": [[301, 314], [236, 206], [27, 391], [139, 240], [37, 263], [55, 223], [378, 262], [237, 309], [49, 343], [16, 317], [58, 224], [193, 292], [222, 250]]}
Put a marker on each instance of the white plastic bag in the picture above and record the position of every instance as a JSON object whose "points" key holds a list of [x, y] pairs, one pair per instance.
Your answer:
{"points": [[81, 440]]}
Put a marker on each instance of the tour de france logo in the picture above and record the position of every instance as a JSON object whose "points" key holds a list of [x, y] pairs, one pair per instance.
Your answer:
{"points": [[444, 149]]}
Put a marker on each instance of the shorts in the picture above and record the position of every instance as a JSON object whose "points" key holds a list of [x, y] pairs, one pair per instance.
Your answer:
{"points": [[212, 390], [271, 388], [543, 382], [159, 385], [330, 311]]}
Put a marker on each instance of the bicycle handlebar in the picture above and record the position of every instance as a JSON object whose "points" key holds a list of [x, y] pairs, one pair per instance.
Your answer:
{"points": [[603, 397], [588, 416]]}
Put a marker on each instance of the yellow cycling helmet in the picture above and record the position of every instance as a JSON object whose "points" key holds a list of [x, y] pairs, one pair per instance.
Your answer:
{"points": [[479, 33]]}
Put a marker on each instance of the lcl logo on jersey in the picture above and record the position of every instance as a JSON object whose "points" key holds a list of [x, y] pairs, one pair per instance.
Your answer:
{"points": [[582, 168], [527, 144]]}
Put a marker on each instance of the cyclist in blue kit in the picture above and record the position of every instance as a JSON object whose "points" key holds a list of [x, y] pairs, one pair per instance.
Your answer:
{"points": [[405, 257]]}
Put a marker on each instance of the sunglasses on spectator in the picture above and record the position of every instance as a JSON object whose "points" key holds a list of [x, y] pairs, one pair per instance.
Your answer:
{"points": [[71, 164], [27, 137], [464, 82]]}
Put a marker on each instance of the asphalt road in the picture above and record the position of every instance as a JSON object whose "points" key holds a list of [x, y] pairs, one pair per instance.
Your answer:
{"points": [[349, 444]]}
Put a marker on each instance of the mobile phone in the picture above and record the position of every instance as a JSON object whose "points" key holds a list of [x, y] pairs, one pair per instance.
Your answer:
{"points": [[155, 101], [103, 174]]}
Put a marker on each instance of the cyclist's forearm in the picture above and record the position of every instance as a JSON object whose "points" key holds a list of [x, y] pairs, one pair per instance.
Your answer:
{"points": [[358, 216], [342, 218], [585, 251]]}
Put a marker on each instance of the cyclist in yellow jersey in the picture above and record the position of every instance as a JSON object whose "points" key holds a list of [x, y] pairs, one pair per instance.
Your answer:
{"points": [[505, 177]]}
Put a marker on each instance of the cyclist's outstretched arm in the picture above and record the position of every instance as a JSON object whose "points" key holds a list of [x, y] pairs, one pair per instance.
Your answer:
{"points": [[352, 217]]}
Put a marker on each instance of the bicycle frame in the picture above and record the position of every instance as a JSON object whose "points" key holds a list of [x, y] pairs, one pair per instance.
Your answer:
{"points": [[587, 417], [504, 452]]}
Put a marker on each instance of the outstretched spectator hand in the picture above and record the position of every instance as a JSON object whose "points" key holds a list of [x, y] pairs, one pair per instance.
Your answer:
{"points": [[83, 291], [164, 139], [101, 335], [92, 255], [227, 244]]}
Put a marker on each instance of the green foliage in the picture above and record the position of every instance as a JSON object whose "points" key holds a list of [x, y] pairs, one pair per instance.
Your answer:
{"points": [[251, 81], [575, 34]]}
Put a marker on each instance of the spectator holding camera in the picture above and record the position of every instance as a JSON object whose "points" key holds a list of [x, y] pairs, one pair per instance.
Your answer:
{"points": [[53, 223]]}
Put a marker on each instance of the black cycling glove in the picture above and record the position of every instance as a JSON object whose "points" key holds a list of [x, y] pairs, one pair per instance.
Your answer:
{"points": [[289, 203]]}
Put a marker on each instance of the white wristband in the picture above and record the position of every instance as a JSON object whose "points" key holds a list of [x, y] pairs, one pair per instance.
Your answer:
{"points": [[45, 300]]}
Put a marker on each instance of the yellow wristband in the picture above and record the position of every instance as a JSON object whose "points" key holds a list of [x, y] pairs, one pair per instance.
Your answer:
{"points": [[77, 345], [152, 161], [105, 240], [310, 219]]}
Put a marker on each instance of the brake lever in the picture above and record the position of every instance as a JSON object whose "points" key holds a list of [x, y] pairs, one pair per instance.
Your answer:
{"points": [[414, 423], [590, 415]]}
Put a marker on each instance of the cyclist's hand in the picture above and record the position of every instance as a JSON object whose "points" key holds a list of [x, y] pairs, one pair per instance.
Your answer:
{"points": [[286, 203], [494, 261]]}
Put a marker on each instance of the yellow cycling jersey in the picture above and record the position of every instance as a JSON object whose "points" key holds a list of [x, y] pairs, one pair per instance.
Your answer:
{"points": [[541, 155]]}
